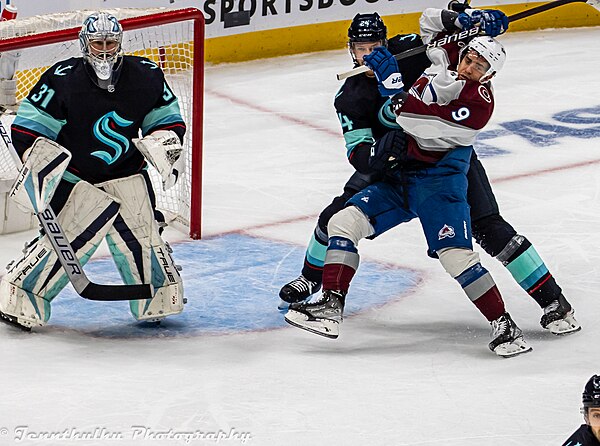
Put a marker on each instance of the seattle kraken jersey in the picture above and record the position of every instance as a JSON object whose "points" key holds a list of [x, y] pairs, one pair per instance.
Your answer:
{"points": [[97, 126], [582, 437], [365, 116]]}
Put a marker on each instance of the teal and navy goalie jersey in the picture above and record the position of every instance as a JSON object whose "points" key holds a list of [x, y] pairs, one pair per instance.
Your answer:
{"points": [[97, 126]]}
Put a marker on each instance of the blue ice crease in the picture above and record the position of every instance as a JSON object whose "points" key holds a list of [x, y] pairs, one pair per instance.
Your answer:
{"points": [[231, 283]]}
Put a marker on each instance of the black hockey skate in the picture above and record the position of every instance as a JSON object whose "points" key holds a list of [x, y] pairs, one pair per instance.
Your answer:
{"points": [[298, 290], [322, 317], [559, 317], [13, 321], [507, 338]]}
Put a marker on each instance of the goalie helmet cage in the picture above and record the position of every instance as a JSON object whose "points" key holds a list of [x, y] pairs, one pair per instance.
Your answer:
{"points": [[173, 38]]}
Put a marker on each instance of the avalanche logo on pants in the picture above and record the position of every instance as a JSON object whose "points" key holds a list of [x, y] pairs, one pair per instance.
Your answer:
{"points": [[446, 232]]}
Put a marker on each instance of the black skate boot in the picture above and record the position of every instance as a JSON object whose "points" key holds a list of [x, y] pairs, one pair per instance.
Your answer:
{"points": [[297, 290], [559, 317], [507, 338], [11, 320], [322, 317]]}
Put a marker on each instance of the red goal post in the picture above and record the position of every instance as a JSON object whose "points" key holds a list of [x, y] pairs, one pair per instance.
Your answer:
{"points": [[173, 38]]}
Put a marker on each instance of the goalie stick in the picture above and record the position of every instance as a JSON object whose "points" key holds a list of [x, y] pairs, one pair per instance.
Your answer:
{"points": [[70, 263], [470, 33]]}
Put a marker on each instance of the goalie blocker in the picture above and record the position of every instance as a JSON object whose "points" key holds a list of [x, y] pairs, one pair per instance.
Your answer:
{"points": [[89, 214]]}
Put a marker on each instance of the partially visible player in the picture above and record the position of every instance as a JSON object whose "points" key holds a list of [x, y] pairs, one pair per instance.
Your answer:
{"points": [[588, 434], [365, 117], [104, 110]]}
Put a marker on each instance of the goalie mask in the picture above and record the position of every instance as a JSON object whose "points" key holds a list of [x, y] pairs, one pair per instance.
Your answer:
{"points": [[100, 39]]}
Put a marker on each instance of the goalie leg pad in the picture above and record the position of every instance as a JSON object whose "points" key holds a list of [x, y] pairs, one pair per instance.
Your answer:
{"points": [[140, 253], [37, 181], [33, 281]]}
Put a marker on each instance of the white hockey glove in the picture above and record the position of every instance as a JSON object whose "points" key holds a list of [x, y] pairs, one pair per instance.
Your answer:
{"points": [[163, 151]]}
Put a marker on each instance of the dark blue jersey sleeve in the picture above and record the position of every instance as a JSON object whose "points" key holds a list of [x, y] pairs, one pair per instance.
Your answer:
{"points": [[165, 115], [41, 113]]}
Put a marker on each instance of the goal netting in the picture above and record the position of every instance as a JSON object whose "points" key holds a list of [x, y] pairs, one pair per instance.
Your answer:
{"points": [[173, 38]]}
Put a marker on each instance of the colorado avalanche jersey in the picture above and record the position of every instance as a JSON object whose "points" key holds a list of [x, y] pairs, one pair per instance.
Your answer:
{"points": [[441, 111], [364, 115], [95, 125]]}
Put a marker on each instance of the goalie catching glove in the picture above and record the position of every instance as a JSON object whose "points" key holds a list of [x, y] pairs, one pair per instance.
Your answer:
{"points": [[163, 150]]}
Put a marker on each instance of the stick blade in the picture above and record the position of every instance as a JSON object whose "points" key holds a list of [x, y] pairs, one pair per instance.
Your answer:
{"points": [[109, 293]]}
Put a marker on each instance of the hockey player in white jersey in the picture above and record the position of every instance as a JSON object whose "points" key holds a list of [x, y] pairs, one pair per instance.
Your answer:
{"points": [[425, 167], [95, 112]]}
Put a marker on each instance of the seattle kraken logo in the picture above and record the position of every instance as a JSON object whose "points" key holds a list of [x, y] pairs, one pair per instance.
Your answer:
{"points": [[386, 115], [106, 134]]}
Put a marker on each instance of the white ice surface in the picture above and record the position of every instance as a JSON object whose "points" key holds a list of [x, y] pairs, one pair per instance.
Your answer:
{"points": [[414, 372]]}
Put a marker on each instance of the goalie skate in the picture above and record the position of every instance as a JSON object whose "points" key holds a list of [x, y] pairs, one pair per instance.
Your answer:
{"points": [[13, 321], [322, 317], [507, 338], [559, 318]]}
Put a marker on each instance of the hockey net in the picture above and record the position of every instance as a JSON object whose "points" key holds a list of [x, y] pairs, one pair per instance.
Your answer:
{"points": [[173, 38]]}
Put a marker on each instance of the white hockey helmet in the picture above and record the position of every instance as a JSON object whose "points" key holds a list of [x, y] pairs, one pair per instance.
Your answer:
{"points": [[100, 38], [491, 50]]}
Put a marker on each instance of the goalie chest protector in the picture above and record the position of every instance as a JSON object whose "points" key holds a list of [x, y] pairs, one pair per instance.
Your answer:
{"points": [[96, 125]]}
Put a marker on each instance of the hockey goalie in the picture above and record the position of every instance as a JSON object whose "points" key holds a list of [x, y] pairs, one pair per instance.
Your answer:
{"points": [[86, 133]]}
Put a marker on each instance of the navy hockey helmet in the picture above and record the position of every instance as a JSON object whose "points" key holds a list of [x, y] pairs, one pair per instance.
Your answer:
{"points": [[367, 28], [591, 392], [100, 39]]}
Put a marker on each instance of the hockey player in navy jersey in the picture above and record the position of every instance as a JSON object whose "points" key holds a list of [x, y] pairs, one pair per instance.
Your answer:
{"points": [[110, 114], [588, 434], [365, 117]]}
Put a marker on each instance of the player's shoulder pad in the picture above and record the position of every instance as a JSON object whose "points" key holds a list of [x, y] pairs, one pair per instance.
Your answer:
{"points": [[144, 64], [356, 92], [403, 42], [64, 68], [477, 92]]}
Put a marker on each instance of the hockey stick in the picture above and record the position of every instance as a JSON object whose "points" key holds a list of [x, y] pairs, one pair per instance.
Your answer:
{"points": [[70, 263], [470, 33]]}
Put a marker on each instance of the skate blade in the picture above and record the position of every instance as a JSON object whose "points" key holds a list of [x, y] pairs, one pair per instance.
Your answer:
{"points": [[323, 327], [514, 348], [565, 326]]}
